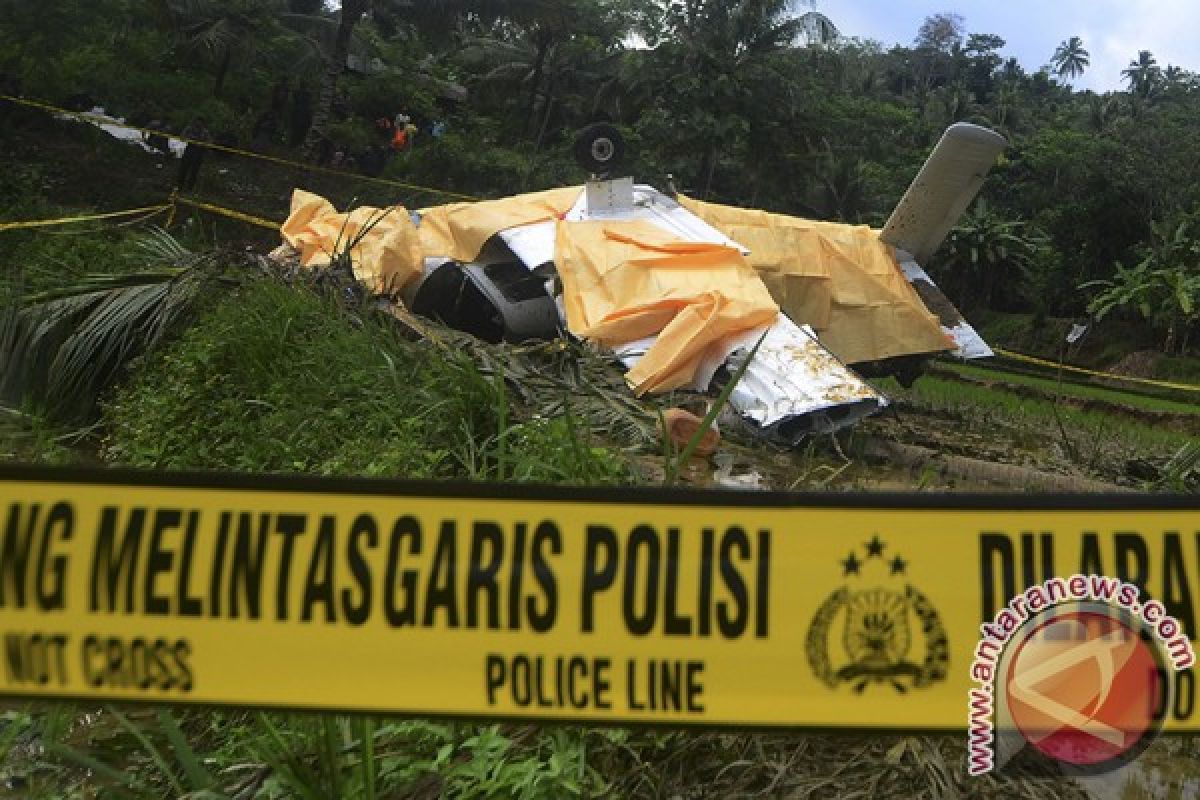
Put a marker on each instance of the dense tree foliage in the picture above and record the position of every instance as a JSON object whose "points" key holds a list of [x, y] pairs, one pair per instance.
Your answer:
{"points": [[757, 102]]}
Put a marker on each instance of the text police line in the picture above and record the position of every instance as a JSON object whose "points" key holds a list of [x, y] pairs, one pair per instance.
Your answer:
{"points": [[711, 609], [146, 561]]}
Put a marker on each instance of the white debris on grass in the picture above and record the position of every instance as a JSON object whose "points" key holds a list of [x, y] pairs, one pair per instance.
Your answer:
{"points": [[118, 129]]}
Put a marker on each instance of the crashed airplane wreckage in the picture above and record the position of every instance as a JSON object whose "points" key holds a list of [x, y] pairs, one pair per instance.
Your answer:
{"points": [[681, 290]]}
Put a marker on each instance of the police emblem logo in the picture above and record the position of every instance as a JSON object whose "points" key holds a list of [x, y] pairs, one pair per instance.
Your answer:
{"points": [[877, 629]]}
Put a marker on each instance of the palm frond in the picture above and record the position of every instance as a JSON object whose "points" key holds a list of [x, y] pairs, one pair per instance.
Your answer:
{"points": [[61, 350], [98, 283], [159, 248]]}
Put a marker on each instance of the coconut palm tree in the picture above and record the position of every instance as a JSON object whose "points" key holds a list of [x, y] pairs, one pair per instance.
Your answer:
{"points": [[229, 32], [1071, 59], [815, 27], [1143, 75], [351, 13]]}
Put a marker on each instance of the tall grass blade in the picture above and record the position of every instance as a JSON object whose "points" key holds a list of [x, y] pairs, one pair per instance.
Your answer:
{"points": [[332, 765], [292, 769], [123, 782], [501, 424], [368, 758], [10, 730], [197, 776], [155, 754]]}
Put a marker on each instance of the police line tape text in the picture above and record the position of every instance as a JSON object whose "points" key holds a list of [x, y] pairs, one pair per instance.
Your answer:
{"points": [[163, 562], [104, 662]]}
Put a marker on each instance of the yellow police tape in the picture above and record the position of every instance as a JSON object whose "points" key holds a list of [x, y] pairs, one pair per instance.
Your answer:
{"points": [[228, 212], [237, 151], [1082, 371], [654, 606], [149, 211], [42, 223]]}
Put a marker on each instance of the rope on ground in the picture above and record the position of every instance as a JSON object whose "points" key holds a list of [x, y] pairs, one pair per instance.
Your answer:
{"points": [[149, 211], [86, 116], [1185, 387], [227, 212]]}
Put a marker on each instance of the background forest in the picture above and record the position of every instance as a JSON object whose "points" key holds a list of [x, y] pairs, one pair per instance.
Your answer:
{"points": [[757, 102]]}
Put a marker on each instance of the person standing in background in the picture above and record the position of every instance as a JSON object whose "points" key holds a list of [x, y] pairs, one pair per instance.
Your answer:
{"points": [[403, 132], [189, 166]]}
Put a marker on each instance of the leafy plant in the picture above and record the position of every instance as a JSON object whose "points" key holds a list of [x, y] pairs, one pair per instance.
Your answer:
{"points": [[1164, 286], [986, 257], [1181, 473]]}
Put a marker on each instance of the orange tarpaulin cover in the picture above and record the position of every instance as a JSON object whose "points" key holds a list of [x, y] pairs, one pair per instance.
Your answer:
{"points": [[840, 279], [386, 257], [628, 280], [459, 230]]}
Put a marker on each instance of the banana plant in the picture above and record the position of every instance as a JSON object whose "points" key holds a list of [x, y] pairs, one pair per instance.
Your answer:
{"points": [[1163, 288]]}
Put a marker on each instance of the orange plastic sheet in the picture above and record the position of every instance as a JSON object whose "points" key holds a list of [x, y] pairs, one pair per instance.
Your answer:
{"points": [[628, 280], [386, 255], [460, 230], [839, 279]]}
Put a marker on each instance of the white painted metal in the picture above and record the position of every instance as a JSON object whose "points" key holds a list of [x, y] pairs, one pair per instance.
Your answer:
{"points": [[970, 343], [534, 244], [943, 189], [793, 376], [609, 198]]}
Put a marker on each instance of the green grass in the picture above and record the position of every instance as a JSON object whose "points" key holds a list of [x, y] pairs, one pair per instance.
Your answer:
{"points": [[27, 437], [1067, 389], [1179, 369], [1106, 344], [110, 753], [980, 407], [282, 379], [37, 260]]}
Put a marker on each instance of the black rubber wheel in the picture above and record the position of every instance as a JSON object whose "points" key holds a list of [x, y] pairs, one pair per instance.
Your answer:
{"points": [[600, 149]]}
